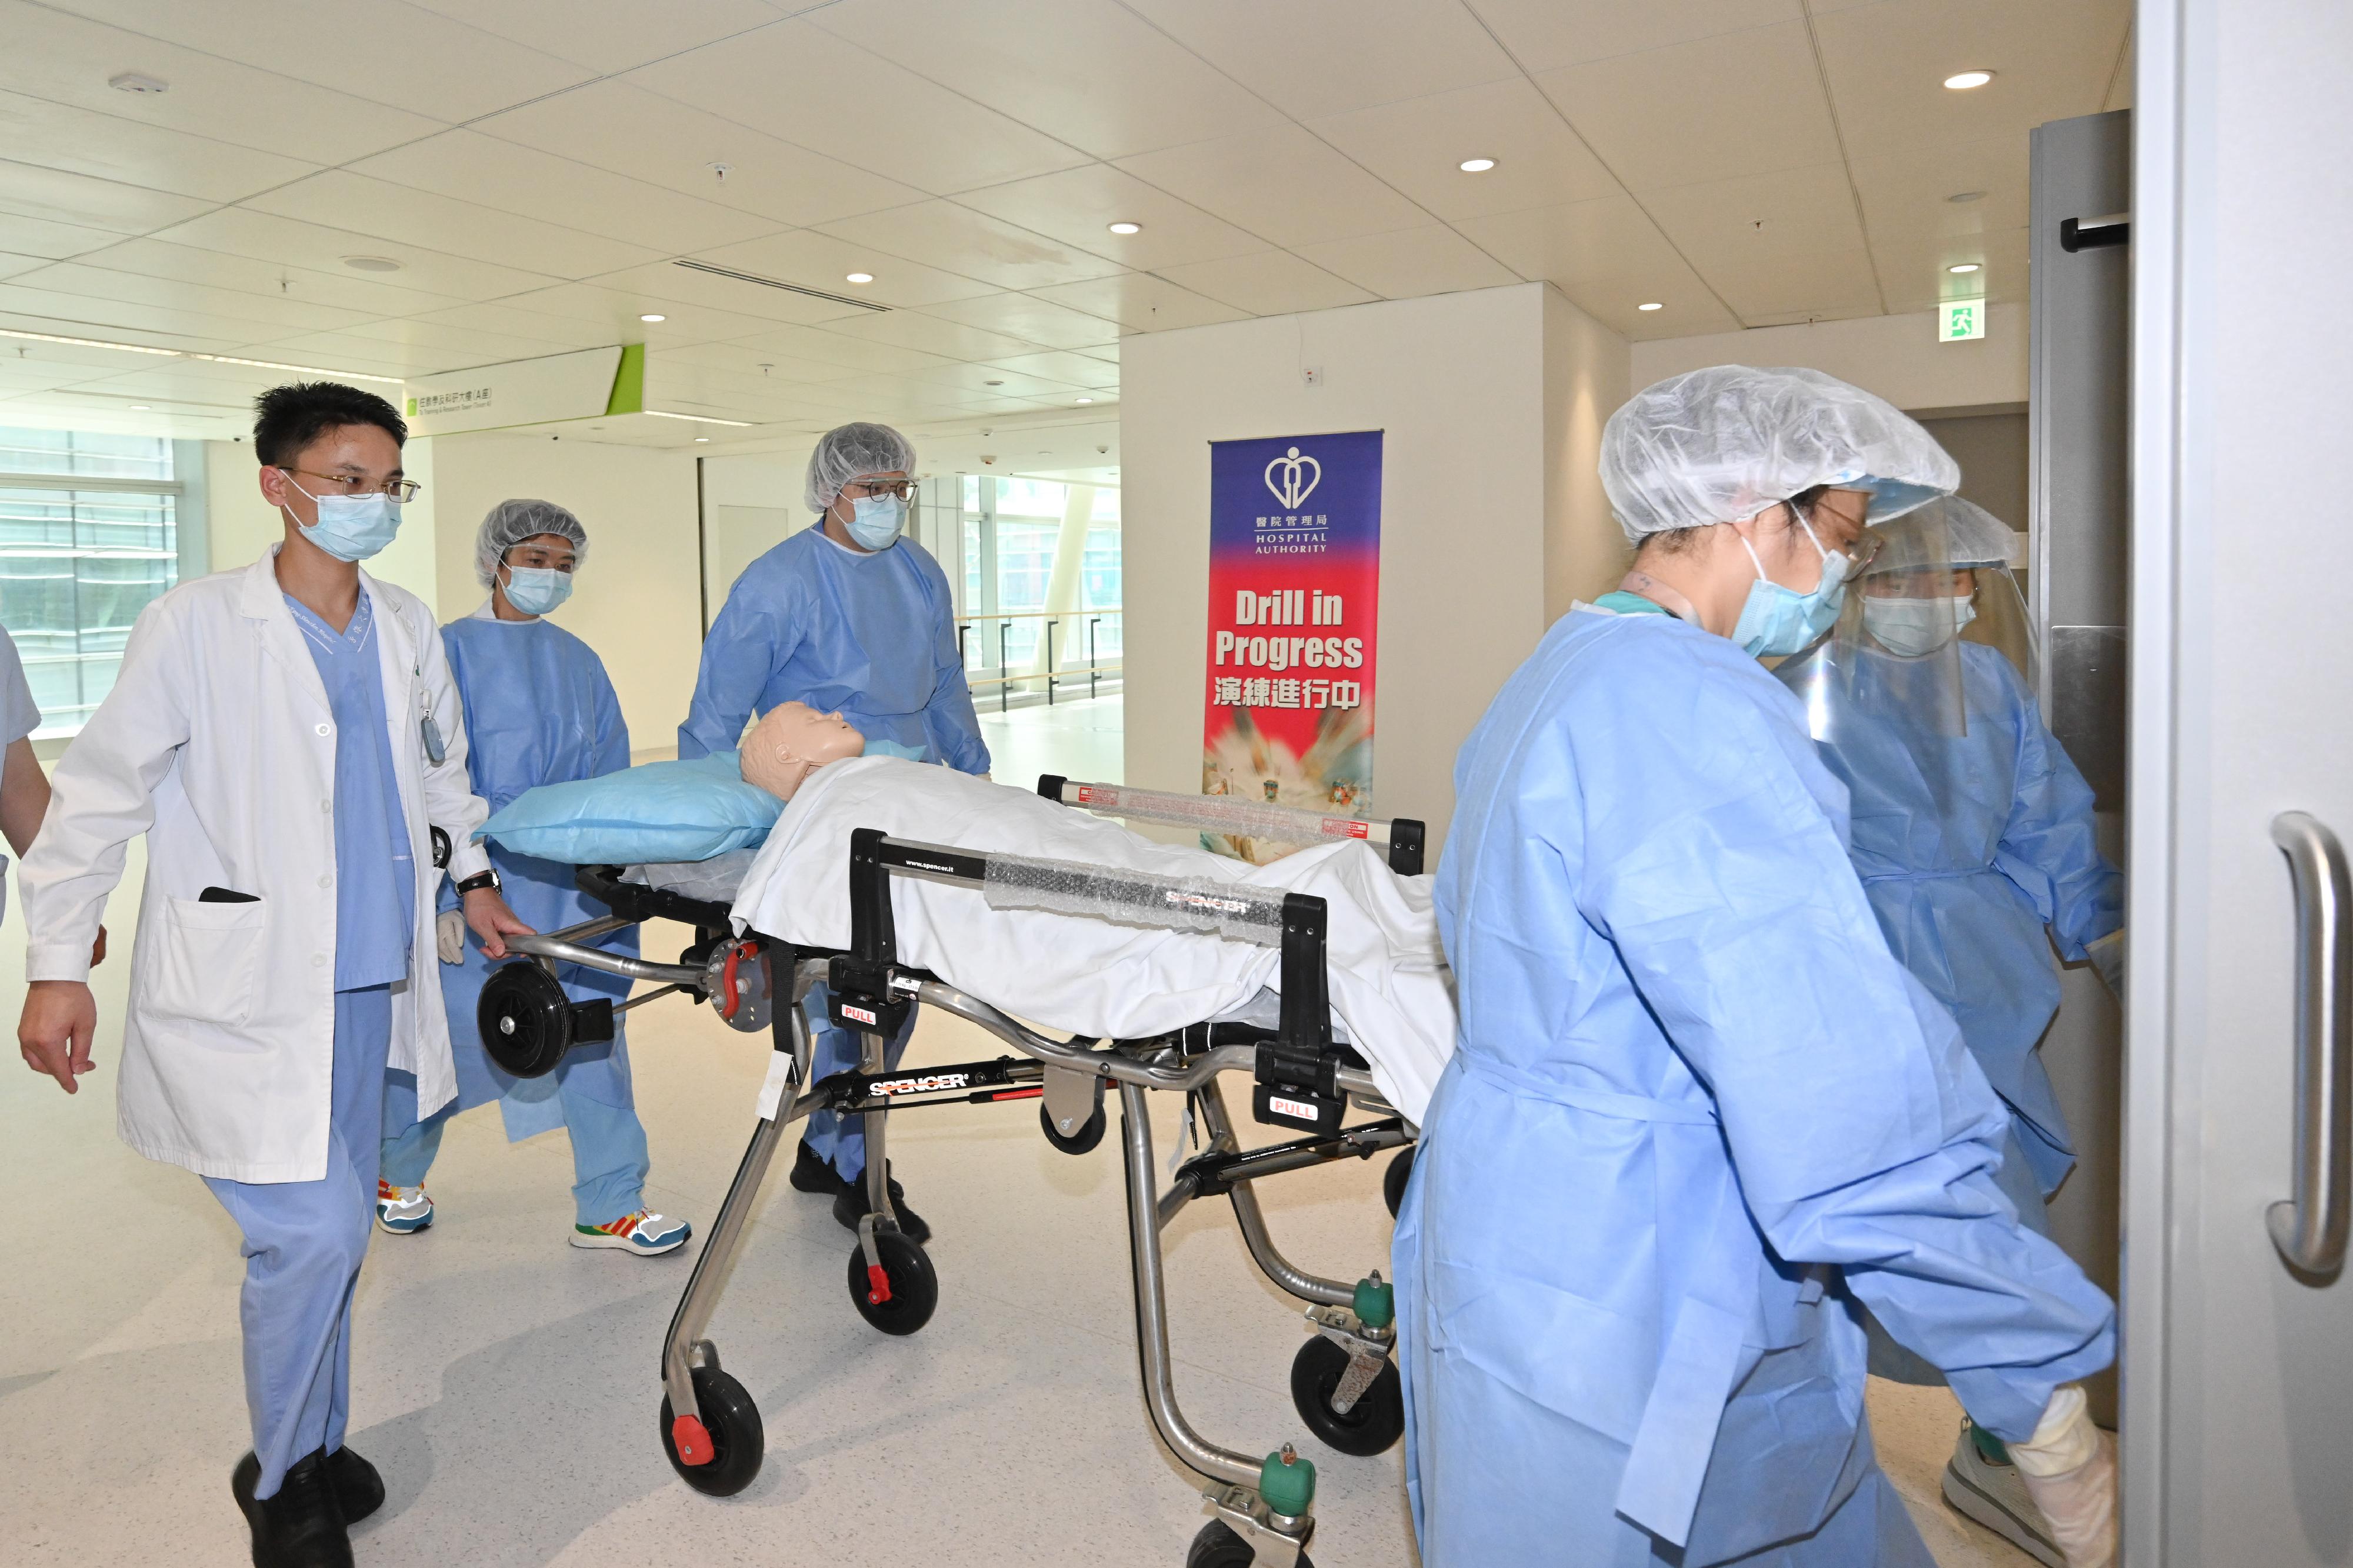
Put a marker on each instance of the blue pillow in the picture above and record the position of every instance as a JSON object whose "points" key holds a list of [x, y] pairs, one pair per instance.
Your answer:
{"points": [[654, 813]]}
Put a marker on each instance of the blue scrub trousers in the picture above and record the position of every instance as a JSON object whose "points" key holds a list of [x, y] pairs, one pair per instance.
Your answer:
{"points": [[304, 1242], [839, 1140], [610, 1159]]}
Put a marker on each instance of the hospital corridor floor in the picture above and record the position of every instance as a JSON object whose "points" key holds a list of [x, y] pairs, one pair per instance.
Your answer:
{"points": [[505, 1382]]}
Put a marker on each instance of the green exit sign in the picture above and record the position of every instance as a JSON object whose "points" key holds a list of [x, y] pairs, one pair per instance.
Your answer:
{"points": [[1959, 318]]}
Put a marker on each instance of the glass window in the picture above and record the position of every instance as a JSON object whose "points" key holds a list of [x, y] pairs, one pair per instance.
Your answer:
{"points": [[1012, 529], [80, 561]]}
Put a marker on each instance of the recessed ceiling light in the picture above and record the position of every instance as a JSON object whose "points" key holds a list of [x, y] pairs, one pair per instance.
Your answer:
{"points": [[861, 278], [371, 264], [1476, 165], [1966, 197], [1124, 228], [1084, 400], [141, 407], [1963, 266], [652, 315], [134, 82], [1964, 80], [1650, 305], [700, 439]]}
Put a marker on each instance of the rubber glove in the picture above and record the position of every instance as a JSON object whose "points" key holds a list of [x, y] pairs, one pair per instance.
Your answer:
{"points": [[450, 936], [2107, 956], [2069, 1467]]}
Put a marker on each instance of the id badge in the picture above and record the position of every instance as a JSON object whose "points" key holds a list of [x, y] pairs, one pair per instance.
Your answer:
{"points": [[434, 750]]}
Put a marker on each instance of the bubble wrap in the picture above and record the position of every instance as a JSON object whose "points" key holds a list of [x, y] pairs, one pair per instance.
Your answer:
{"points": [[1203, 905], [1216, 813]]}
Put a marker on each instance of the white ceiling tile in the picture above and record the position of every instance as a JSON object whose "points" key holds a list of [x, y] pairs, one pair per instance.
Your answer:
{"points": [[1606, 255], [1090, 72], [1906, 188], [343, 288], [1068, 369], [1742, 103], [459, 347], [373, 50], [682, 292], [1027, 317], [134, 153], [1289, 187], [1546, 35], [27, 235], [52, 55], [820, 261], [1432, 259], [812, 89], [1689, 310], [561, 333], [609, 35], [1418, 145], [55, 196], [612, 125], [1272, 283], [929, 334], [1314, 57], [786, 371], [1140, 302], [284, 311], [1773, 244], [240, 231], [10, 265], [853, 355], [1886, 62], [958, 240], [507, 177], [1078, 206], [28, 308], [615, 314], [386, 212], [1912, 270], [996, 381], [368, 356]]}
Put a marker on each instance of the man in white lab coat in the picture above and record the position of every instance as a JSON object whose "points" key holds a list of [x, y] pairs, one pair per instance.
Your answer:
{"points": [[287, 735]]}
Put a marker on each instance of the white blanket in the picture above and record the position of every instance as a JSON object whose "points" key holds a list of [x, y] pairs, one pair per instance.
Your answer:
{"points": [[1387, 978]]}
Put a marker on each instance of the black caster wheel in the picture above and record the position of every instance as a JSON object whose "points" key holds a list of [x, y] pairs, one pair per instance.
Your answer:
{"points": [[525, 1019], [1394, 1178], [1218, 1547], [914, 1288], [1371, 1424], [1090, 1134], [730, 1433]]}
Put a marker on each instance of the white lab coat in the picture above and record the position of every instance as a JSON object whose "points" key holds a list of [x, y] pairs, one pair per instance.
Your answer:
{"points": [[217, 742]]}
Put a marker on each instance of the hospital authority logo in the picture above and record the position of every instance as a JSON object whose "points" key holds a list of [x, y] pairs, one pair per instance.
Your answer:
{"points": [[1298, 480]]}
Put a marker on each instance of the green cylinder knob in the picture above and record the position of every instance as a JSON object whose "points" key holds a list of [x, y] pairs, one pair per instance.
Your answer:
{"points": [[1287, 1482], [1375, 1301]]}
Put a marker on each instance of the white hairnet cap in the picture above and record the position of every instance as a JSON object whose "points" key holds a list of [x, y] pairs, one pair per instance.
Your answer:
{"points": [[1723, 444], [846, 451], [1959, 533], [510, 522]]}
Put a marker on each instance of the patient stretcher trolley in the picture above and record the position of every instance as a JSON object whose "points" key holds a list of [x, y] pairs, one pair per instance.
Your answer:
{"points": [[1343, 1381]]}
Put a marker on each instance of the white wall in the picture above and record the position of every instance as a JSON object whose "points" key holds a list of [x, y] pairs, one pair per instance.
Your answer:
{"points": [[1898, 357], [638, 602], [1484, 400], [1588, 374]]}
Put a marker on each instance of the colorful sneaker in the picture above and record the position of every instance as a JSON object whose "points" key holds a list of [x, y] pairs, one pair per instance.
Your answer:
{"points": [[643, 1232], [402, 1210]]}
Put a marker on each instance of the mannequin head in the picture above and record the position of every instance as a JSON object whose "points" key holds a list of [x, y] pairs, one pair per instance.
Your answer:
{"points": [[793, 740]]}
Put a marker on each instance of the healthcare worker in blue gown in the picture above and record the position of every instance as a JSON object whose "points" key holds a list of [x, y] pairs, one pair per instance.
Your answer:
{"points": [[539, 709], [1974, 837], [848, 615], [1698, 1112]]}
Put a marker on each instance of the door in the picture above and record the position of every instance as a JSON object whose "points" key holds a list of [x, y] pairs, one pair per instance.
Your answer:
{"points": [[2238, 1374]]}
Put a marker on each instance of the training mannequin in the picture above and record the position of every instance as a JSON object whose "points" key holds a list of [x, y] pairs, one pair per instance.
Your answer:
{"points": [[792, 740]]}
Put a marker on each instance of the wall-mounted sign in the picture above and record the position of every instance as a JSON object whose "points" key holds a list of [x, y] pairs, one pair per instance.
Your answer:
{"points": [[1960, 318], [1294, 597], [586, 385]]}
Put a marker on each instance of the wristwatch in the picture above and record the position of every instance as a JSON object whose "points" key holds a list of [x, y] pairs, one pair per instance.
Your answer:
{"points": [[479, 880]]}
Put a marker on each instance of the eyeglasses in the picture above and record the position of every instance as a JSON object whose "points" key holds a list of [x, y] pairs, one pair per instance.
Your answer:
{"points": [[358, 485], [902, 488]]}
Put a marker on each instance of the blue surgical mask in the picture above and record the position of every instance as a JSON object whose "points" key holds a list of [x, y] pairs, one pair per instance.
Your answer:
{"points": [[1914, 627], [874, 520], [1775, 620], [350, 528], [536, 590]]}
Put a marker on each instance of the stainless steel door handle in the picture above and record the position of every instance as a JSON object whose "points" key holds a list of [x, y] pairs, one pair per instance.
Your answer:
{"points": [[2309, 1229]]}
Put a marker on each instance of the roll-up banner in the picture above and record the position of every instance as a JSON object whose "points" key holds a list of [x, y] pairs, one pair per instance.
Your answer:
{"points": [[1294, 596]]}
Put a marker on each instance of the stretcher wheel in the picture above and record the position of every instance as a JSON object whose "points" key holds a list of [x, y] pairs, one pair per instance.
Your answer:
{"points": [[525, 1019], [731, 1425], [1218, 1547], [1371, 1424], [1078, 1143], [1394, 1178], [914, 1288]]}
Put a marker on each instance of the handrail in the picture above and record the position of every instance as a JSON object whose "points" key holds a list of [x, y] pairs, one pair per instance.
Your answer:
{"points": [[1046, 615]]}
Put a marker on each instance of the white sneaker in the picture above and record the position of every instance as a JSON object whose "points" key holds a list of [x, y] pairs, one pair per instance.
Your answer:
{"points": [[1993, 1495], [402, 1211], [644, 1232]]}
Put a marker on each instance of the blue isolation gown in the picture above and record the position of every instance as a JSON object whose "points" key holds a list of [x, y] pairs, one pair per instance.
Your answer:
{"points": [[1970, 848], [1696, 1113], [872, 635]]}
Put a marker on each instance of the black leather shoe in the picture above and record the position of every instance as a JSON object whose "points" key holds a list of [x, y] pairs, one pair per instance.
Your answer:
{"points": [[812, 1173], [851, 1207], [359, 1490], [302, 1526]]}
